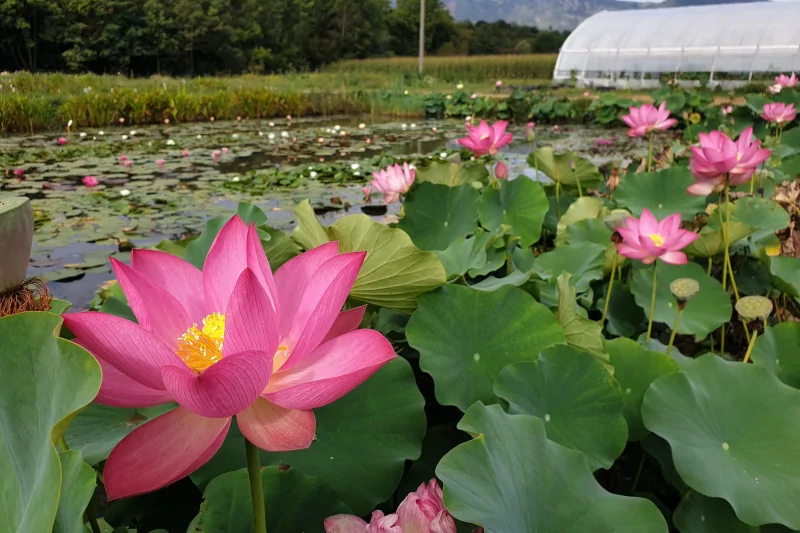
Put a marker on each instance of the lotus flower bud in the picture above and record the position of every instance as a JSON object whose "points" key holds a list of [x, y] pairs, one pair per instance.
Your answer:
{"points": [[16, 239]]}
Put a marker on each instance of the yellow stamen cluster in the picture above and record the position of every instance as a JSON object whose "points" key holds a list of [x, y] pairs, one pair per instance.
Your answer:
{"points": [[201, 348], [657, 239]]}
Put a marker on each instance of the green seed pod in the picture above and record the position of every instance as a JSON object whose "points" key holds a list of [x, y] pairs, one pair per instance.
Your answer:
{"points": [[754, 307], [684, 289], [16, 239]]}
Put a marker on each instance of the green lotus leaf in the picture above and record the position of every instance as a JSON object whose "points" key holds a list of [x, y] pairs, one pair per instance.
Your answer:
{"points": [[437, 215], [663, 193], [521, 204], [570, 168], [778, 350], [580, 331]]}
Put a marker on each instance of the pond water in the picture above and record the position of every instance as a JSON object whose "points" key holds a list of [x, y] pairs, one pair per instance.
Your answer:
{"points": [[165, 182]]}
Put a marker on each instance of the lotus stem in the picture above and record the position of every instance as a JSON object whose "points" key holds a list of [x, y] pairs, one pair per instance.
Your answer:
{"points": [[652, 304], [256, 488], [674, 329], [708, 270], [750, 346], [558, 204], [649, 151], [610, 287], [580, 191]]}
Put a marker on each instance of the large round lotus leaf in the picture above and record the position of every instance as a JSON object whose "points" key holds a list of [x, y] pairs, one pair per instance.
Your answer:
{"points": [[593, 230], [635, 369], [437, 215], [451, 174], [512, 478], [78, 481], [521, 204], [703, 314], [786, 274], [577, 398], [662, 193], [362, 441], [98, 428], [766, 216], [586, 207], [700, 514], [733, 429], [294, 502], [465, 337], [712, 239], [464, 254], [569, 168], [778, 350], [583, 261], [43, 380]]}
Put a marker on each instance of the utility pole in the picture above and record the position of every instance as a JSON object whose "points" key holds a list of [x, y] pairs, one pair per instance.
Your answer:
{"points": [[421, 35]]}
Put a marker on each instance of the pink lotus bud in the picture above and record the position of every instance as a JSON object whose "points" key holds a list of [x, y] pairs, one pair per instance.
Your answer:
{"points": [[367, 192], [211, 119], [160, 162], [62, 141], [166, 121], [224, 150], [19, 172], [498, 84], [586, 94], [185, 153], [501, 171], [90, 181], [530, 131], [121, 120], [123, 158]]}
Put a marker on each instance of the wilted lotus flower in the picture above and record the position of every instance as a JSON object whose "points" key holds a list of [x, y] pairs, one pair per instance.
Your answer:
{"points": [[393, 181], [232, 340], [647, 239], [160, 162], [778, 113], [719, 157], [786, 81], [422, 511], [646, 119], [484, 139], [90, 181], [62, 141], [501, 171], [19, 172]]}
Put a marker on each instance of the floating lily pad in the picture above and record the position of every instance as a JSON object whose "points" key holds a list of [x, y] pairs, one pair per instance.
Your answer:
{"points": [[570, 168]]}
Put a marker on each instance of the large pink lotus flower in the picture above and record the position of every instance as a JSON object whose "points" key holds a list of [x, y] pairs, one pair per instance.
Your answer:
{"points": [[484, 139], [645, 119], [718, 158], [422, 511], [648, 239], [393, 181], [230, 340], [786, 81], [779, 113]]}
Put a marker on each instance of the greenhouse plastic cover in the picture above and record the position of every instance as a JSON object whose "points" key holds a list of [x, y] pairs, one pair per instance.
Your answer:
{"points": [[750, 37]]}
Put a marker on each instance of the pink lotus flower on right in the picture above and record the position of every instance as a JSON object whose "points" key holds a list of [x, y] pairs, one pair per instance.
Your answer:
{"points": [[393, 181], [779, 113], [646, 239], [719, 158], [486, 140], [647, 118], [786, 81]]}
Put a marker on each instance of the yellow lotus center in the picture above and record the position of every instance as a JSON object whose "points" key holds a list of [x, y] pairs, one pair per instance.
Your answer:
{"points": [[201, 348], [657, 239], [484, 137]]}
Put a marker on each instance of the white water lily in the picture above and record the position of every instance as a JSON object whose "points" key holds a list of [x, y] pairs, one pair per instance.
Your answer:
{"points": [[405, 92], [403, 126], [124, 137], [83, 134], [284, 134], [94, 138], [260, 133], [124, 192], [413, 126], [443, 155], [133, 132], [313, 174], [460, 86], [356, 173], [362, 126], [449, 97], [69, 124], [337, 127], [468, 118], [412, 166], [199, 136], [354, 166], [271, 136], [271, 124], [150, 143], [235, 179], [101, 132], [170, 142], [235, 135]]}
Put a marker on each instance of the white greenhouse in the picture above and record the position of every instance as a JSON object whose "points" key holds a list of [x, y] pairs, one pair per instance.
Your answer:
{"points": [[729, 41]]}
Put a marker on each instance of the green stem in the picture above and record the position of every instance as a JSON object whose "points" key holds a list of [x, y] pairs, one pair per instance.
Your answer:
{"points": [[558, 204], [63, 443], [708, 270], [652, 304], [580, 191], [610, 286], [89, 516], [638, 473], [750, 347], [674, 329], [649, 151], [256, 488]]}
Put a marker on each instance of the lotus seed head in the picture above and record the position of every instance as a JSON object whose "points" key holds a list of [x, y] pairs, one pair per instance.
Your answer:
{"points": [[684, 289], [754, 307], [616, 220]]}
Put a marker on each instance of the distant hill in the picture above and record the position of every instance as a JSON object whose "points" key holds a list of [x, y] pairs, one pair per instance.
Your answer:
{"points": [[559, 14]]}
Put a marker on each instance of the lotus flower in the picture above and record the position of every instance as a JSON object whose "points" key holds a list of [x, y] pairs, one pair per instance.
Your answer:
{"points": [[719, 157], [19, 172], [422, 511], [645, 119], [484, 139], [501, 171], [498, 84], [160, 162], [367, 191], [786, 81], [530, 131], [90, 181], [232, 340], [778, 113], [393, 181], [648, 239], [62, 141], [185, 153], [224, 150]]}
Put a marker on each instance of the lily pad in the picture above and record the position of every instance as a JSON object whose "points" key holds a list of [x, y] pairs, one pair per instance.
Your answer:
{"points": [[703, 314], [635, 368], [437, 215], [766, 216], [577, 398], [520, 204], [451, 174], [570, 168], [465, 337], [663, 193], [778, 350], [294, 502], [583, 261], [511, 477], [733, 430], [711, 242], [44, 380], [464, 254]]}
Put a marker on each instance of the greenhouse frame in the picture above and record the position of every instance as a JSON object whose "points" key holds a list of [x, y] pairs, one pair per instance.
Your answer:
{"points": [[729, 42]]}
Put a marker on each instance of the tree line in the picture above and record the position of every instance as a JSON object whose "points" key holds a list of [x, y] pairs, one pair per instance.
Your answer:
{"points": [[201, 37]]}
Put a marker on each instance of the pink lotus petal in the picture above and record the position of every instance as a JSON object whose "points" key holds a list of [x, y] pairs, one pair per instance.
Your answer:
{"points": [[319, 306], [224, 264], [250, 321], [182, 279], [701, 188], [443, 523], [277, 429], [225, 388], [674, 258], [155, 308], [647, 223], [345, 523], [669, 225], [258, 263], [161, 452], [631, 252], [681, 239], [331, 371], [126, 346], [346, 322]]}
